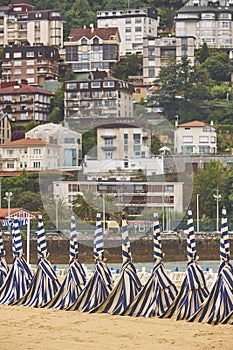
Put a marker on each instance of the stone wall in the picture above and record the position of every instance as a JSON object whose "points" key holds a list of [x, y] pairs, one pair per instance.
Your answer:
{"points": [[142, 250]]}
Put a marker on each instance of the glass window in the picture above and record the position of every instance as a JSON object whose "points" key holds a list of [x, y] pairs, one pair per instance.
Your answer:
{"points": [[71, 85], [36, 151], [36, 165], [84, 41], [30, 71], [138, 29], [108, 84], [18, 63], [17, 71], [17, 54], [30, 54], [187, 139], [83, 85], [95, 84], [203, 139]]}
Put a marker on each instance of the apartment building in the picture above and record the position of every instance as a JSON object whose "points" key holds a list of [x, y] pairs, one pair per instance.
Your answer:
{"points": [[133, 23], [131, 195], [21, 23], [68, 141], [29, 155], [158, 51], [96, 98], [209, 21], [122, 148], [92, 48], [195, 138], [5, 128], [36, 64], [24, 103]]}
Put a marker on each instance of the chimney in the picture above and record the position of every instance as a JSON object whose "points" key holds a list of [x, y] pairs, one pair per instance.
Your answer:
{"points": [[92, 27]]}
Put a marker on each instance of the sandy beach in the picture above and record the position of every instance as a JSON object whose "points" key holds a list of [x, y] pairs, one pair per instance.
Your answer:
{"points": [[25, 328]]}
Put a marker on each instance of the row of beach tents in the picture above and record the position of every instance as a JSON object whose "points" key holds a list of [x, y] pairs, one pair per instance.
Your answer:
{"points": [[158, 296]]}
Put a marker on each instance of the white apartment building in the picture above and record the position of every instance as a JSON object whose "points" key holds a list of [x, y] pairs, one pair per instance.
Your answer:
{"points": [[29, 155], [21, 23], [123, 148], [195, 138], [208, 21], [133, 24], [135, 196], [158, 51], [68, 141]]}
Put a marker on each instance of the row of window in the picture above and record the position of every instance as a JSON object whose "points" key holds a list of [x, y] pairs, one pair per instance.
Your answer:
{"points": [[35, 165], [202, 139]]}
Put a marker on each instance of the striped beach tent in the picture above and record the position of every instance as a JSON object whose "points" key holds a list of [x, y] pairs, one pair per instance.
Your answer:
{"points": [[219, 304], [19, 276], [101, 283], [75, 279], [128, 284], [3, 265], [193, 290], [159, 292], [45, 283]]}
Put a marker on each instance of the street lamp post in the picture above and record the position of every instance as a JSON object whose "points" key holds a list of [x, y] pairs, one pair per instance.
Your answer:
{"points": [[8, 196], [56, 212], [198, 194], [218, 197]]}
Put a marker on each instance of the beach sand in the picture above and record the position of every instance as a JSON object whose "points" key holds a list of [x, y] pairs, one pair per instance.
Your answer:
{"points": [[25, 328]]}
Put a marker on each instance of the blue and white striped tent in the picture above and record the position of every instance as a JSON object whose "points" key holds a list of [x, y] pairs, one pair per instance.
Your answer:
{"points": [[193, 290], [219, 304], [128, 284], [45, 283], [3, 265], [19, 276], [159, 292], [75, 279], [100, 284]]}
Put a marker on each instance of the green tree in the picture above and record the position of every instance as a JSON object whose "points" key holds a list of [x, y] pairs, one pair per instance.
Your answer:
{"points": [[57, 107], [29, 200], [219, 67], [204, 53]]}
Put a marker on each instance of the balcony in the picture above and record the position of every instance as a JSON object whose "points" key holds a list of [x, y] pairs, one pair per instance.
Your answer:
{"points": [[108, 148]]}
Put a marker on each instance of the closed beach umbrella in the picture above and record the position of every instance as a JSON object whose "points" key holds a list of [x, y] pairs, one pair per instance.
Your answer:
{"points": [[3, 265], [128, 284], [76, 277], [193, 290], [159, 291], [101, 283], [45, 283], [19, 276], [219, 304]]}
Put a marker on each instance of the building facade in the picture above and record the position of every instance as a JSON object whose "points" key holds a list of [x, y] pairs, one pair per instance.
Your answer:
{"points": [[24, 103], [159, 51], [29, 155], [90, 49], [133, 24], [21, 23], [210, 22], [98, 97], [36, 64], [5, 128], [68, 141], [195, 138]]}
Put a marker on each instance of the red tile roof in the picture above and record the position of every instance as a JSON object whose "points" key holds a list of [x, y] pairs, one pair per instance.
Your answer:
{"points": [[103, 33], [24, 88], [194, 123], [25, 142]]}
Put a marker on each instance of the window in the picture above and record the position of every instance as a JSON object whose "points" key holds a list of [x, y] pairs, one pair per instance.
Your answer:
{"points": [[95, 84], [128, 30], [138, 29], [17, 63], [84, 41], [138, 20], [108, 142], [151, 72], [108, 155], [108, 84], [203, 139], [10, 165], [187, 139], [169, 188], [36, 165], [17, 54], [83, 85], [30, 71], [71, 86], [213, 139], [95, 41], [69, 140], [31, 80], [17, 71], [136, 139], [10, 152], [36, 151], [30, 54], [30, 63], [7, 55]]}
